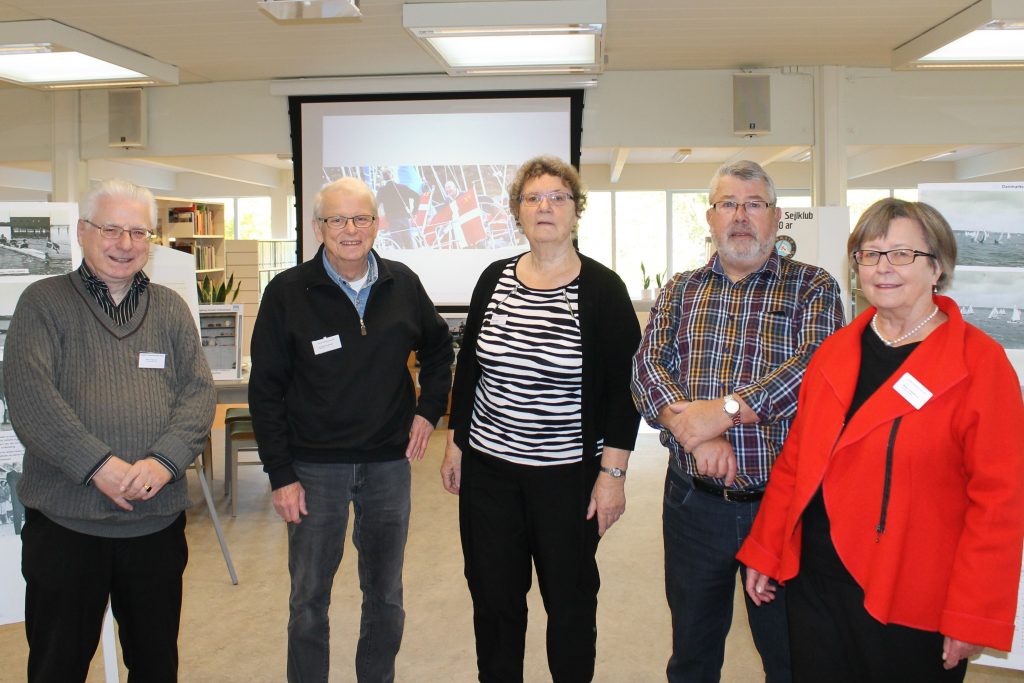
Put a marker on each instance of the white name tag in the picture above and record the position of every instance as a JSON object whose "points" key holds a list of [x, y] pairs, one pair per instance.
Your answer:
{"points": [[152, 360], [499, 319], [909, 388], [326, 344]]}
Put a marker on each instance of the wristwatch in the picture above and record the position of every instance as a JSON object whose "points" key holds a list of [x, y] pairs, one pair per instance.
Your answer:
{"points": [[731, 406], [614, 472]]}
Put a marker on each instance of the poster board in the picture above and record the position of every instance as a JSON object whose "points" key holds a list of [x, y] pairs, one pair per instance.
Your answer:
{"points": [[817, 235], [36, 242], [988, 222]]}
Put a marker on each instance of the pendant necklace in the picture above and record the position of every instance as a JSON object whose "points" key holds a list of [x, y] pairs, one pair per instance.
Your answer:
{"points": [[908, 335]]}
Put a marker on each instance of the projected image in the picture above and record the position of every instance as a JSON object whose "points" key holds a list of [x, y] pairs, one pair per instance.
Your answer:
{"points": [[441, 207]]}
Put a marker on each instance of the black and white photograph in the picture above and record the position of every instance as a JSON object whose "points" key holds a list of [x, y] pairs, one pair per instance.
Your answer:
{"points": [[987, 219], [12, 512], [36, 239], [991, 299]]}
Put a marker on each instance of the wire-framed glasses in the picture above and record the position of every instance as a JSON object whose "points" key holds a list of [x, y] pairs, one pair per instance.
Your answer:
{"points": [[114, 232], [339, 222], [754, 207], [554, 198], [897, 257]]}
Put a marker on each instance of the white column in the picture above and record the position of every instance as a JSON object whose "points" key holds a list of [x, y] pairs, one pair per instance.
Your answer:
{"points": [[69, 173], [828, 179]]}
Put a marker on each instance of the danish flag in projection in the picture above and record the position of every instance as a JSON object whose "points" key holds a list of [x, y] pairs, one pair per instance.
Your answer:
{"points": [[455, 225], [425, 209]]}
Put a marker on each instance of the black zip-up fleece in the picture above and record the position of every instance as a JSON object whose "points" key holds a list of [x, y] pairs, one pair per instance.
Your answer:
{"points": [[352, 404]]}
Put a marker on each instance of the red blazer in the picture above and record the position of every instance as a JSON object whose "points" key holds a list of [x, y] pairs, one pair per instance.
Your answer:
{"points": [[949, 559]]}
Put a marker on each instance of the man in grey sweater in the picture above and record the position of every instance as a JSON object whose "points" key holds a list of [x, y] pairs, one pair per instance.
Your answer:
{"points": [[111, 395]]}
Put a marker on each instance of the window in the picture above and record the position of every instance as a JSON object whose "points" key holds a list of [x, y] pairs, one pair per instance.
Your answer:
{"points": [[595, 231], [691, 240], [246, 218], [640, 230]]}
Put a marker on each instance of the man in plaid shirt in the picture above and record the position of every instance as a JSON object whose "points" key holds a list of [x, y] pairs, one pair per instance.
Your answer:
{"points": [[718, 372]]}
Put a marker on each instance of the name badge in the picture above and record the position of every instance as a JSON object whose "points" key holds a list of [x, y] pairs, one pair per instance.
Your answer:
{"points": [[499, 319], [326, 344], [152, 360], [909, 388]]}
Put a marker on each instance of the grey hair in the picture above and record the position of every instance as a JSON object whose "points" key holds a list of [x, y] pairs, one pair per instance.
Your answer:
{"points": [[744, 170], [351, 186], [116, 188]]}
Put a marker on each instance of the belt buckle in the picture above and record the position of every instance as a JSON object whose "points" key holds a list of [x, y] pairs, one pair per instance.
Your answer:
{"points": [[725, 495]]}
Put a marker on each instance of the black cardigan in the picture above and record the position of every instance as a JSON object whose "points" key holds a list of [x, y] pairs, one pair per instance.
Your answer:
{"points": [[610, 335]]}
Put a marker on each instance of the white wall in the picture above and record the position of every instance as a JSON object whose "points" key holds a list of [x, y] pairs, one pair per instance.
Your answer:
{"points": [[629, 109]]}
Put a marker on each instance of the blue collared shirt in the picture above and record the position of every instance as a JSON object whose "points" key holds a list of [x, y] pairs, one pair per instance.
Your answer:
{"points": [[359, 298]]}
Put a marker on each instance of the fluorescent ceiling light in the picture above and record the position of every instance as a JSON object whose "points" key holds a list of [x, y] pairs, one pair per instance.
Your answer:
{"points": [[681, 155], [522, 37], [988, 34], [310, 9], [48, 55]]}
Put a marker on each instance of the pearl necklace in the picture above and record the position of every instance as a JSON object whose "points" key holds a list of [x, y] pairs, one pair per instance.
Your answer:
{"points": [[908, 335]]}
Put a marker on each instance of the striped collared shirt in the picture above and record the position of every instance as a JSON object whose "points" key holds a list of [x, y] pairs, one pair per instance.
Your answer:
{"points": [[708, 337], [120, 313]]}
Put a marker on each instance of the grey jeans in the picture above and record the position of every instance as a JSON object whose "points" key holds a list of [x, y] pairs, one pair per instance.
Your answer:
{"points": [[379, 495]]}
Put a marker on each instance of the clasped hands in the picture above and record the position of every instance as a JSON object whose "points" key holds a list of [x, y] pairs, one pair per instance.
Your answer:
{"points": [[698, 427], [122, 482]]}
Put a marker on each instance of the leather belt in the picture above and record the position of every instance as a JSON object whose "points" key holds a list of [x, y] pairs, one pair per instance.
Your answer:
{"points": [[729, 495]]}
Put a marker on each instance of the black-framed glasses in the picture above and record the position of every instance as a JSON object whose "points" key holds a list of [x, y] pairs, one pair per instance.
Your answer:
{"points": [[339, 222], [754, 207], [554, 198], [114, 232], [897, 257]]}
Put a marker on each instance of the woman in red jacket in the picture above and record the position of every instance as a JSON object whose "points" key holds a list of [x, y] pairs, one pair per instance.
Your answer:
{"points": [[895, 513]]}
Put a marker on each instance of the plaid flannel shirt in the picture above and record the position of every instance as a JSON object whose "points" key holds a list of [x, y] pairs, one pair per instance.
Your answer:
{"points": [[708, 337]]}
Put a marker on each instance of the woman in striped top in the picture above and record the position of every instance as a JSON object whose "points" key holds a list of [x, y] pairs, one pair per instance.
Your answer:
{"points": [[541, 428]]}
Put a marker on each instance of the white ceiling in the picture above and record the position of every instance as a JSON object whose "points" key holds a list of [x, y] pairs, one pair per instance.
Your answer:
{"points": [[231, 40]]}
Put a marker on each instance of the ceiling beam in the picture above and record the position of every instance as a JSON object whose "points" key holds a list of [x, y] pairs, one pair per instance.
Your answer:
{"points": [[160, 180], [619, 157], [1000, 161], [22, 179], [766, 155], [890, 157], [225, 167]]}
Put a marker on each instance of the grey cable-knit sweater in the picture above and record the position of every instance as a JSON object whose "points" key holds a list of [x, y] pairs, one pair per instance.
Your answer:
{"points": [[76, 393]]}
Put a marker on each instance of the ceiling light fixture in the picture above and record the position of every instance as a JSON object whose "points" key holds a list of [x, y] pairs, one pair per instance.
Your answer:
{"points": [[48, 55], [988, 34], [501, 37], [681, 155], [310, 9]]}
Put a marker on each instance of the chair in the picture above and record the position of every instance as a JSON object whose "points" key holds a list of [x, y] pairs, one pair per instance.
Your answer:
{"points": [[238, 436]]}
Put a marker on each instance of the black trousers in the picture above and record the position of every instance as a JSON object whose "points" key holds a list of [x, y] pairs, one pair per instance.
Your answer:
{"points": [[508, 515], [833, 638], [69, 577]]}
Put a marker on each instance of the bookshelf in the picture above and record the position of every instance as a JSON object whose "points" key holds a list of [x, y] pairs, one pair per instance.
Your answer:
{"points": [[275, 256], [195, 228]]}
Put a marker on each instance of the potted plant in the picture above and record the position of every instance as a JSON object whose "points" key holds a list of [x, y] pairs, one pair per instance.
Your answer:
{"points": [[645, 294], [659, 281], [218, 294]]}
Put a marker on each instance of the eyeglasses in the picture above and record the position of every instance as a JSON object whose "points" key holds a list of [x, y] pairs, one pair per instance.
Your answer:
{"points": [[114, 232], [897, 257], [339, 222], [755, 207], [554, 198]]}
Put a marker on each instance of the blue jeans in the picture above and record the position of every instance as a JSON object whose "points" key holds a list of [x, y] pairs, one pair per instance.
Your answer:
{"points": [[703, 533], [379, 494]]}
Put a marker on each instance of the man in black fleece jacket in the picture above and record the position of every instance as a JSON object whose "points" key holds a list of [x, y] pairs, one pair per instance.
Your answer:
{"points": [[337, 423]]}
